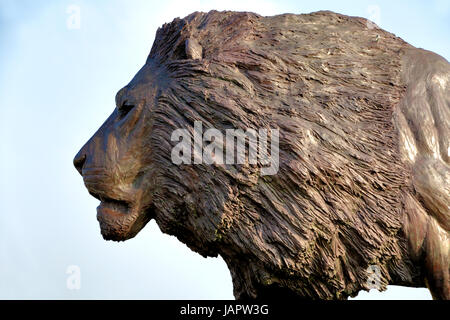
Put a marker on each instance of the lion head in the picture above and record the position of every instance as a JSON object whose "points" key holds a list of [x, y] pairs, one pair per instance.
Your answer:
{"points": [[333, 208]]}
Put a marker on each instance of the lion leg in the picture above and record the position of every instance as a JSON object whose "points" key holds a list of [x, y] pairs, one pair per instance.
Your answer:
{"points": [[437, 261], [433, 190]]}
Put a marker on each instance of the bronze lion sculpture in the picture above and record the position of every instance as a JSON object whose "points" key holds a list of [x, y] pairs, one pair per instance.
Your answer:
{"points": [[363, 182]]}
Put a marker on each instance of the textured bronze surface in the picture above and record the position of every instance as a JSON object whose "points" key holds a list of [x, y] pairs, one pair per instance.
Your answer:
{"points": [[364, 176]]}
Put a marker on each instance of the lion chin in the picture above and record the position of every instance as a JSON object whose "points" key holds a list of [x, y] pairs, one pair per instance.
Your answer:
{"points": [[119, 222]]}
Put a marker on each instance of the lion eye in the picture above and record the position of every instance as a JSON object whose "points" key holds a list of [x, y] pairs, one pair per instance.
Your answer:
{"points": [[124, 109]]}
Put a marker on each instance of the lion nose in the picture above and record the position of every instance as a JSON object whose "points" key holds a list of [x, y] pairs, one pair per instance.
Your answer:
{"points": [[79, 161]]}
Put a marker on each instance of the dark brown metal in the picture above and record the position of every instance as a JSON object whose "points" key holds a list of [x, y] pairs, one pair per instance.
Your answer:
{"points": [[364, 175]]}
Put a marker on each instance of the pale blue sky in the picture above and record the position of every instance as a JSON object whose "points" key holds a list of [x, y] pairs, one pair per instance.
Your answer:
{"points": [[57, 86]]}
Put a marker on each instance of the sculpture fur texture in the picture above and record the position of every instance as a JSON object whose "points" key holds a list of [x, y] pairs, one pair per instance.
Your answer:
{"points": [[364, 172]]}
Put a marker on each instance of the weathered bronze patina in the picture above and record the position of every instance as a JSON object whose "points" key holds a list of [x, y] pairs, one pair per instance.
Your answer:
{"points": [[364, 173]]}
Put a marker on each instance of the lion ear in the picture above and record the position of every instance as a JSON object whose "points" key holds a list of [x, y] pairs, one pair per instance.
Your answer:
{"points": [[193, 49]]}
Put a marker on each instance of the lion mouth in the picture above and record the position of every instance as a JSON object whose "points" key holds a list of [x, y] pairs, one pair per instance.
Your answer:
{"points": [[119, 219], [111, 206]]}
